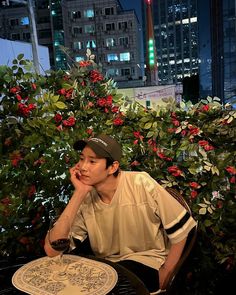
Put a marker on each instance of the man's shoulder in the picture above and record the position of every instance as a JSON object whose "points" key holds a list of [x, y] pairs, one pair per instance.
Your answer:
{"points": [[137, 176], [133, 174]]}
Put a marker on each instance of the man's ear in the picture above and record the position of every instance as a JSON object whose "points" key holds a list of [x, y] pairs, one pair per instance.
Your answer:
{"points": [[114, 167]]}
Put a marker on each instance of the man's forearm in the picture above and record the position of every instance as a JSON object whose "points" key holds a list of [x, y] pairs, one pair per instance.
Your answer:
{"points": [[170, 263], [70, 211]]}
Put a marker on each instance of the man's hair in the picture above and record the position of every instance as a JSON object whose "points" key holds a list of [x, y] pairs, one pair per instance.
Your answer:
{"points": [[109, 162]]}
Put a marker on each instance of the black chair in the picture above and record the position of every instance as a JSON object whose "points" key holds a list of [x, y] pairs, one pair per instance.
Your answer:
{"points": [[187, 248]]}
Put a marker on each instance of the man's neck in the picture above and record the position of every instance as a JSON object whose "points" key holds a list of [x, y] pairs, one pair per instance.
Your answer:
{"points": [[107, 190]]}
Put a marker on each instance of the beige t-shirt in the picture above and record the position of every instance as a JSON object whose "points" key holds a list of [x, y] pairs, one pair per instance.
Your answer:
{"points": [[130, 227]]}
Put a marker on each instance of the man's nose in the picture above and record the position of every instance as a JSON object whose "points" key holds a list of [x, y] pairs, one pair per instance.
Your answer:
{"points": [[84, 165]]}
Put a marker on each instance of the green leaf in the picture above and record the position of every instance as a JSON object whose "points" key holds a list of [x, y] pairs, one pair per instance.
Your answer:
{"points": [[215, 170], [202, 211], [208, 223], [7, 78], [54, 98], [20, 56], [192, 170], [150, 134], [207, 163], [182, 105], [22, 62], [207, 168], [209, 209], [154, 125], [202, 205], [60, 105], [145, 119], [109, 122], [148, 125]]}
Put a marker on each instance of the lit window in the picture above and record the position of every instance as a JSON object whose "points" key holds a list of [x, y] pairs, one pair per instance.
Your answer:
{"points": [[110, 42], [187, 60], [112, 57], [91, 44], [125, 56], [78, 45], [79, 58], [24, 21], [89, 13], [193, 19]]}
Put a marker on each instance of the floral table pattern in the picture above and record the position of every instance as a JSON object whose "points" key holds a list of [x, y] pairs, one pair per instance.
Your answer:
{"points": [[83, 276]]}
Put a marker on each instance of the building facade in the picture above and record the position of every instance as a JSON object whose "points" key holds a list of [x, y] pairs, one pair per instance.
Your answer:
{"points": [[217, 49], [176, 36], [70, 27], [111, 33], [15, 24]]}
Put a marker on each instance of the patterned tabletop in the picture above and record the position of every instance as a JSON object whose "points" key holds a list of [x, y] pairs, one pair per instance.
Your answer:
{"points": [[83, 276]]}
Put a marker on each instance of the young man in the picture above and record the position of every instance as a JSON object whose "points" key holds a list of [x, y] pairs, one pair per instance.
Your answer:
{"points": [[126, 215]]}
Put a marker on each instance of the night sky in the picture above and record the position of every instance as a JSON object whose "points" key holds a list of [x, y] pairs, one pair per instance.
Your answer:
{"points": [[135, 4], [132, 4]]}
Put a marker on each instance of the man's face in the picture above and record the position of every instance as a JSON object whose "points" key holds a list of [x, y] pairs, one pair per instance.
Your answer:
{"points": [[92, 169]]}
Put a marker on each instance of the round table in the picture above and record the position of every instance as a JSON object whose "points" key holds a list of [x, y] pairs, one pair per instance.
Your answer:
{"points": [[127, 284]]}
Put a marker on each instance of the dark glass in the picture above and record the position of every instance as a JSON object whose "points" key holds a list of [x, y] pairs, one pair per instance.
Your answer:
{"points": [[61, 245]]}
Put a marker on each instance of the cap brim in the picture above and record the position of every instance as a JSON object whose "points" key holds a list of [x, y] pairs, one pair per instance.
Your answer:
{"points": [[80, 145]]}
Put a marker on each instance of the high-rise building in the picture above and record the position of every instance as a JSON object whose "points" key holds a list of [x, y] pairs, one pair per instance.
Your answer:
{"points": [[217, 48], [15, 23], [111, 33], [196, 38], [70, 27], [58, 36], [176, 36]]}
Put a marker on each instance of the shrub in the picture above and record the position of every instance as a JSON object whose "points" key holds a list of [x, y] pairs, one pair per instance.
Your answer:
{"points": [[188, 147]]}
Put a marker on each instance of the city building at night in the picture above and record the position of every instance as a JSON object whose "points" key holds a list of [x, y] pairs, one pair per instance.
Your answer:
{"points": [[176, 39], [111, 33], [72, 27], [15, 23], [217, 49]]}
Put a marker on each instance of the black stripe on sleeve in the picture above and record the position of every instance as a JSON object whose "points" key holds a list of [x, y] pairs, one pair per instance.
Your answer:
{"points": [[178, 225]]}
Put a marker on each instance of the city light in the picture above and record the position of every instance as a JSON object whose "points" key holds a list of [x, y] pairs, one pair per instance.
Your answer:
{"points": [[151, 53]]}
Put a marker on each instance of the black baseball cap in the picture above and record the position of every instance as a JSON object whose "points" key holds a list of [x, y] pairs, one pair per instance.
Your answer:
{"points": [[103, 145]]}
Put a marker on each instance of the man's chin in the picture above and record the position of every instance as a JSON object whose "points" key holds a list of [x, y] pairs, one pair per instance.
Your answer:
{"points": [[85, 180]]}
